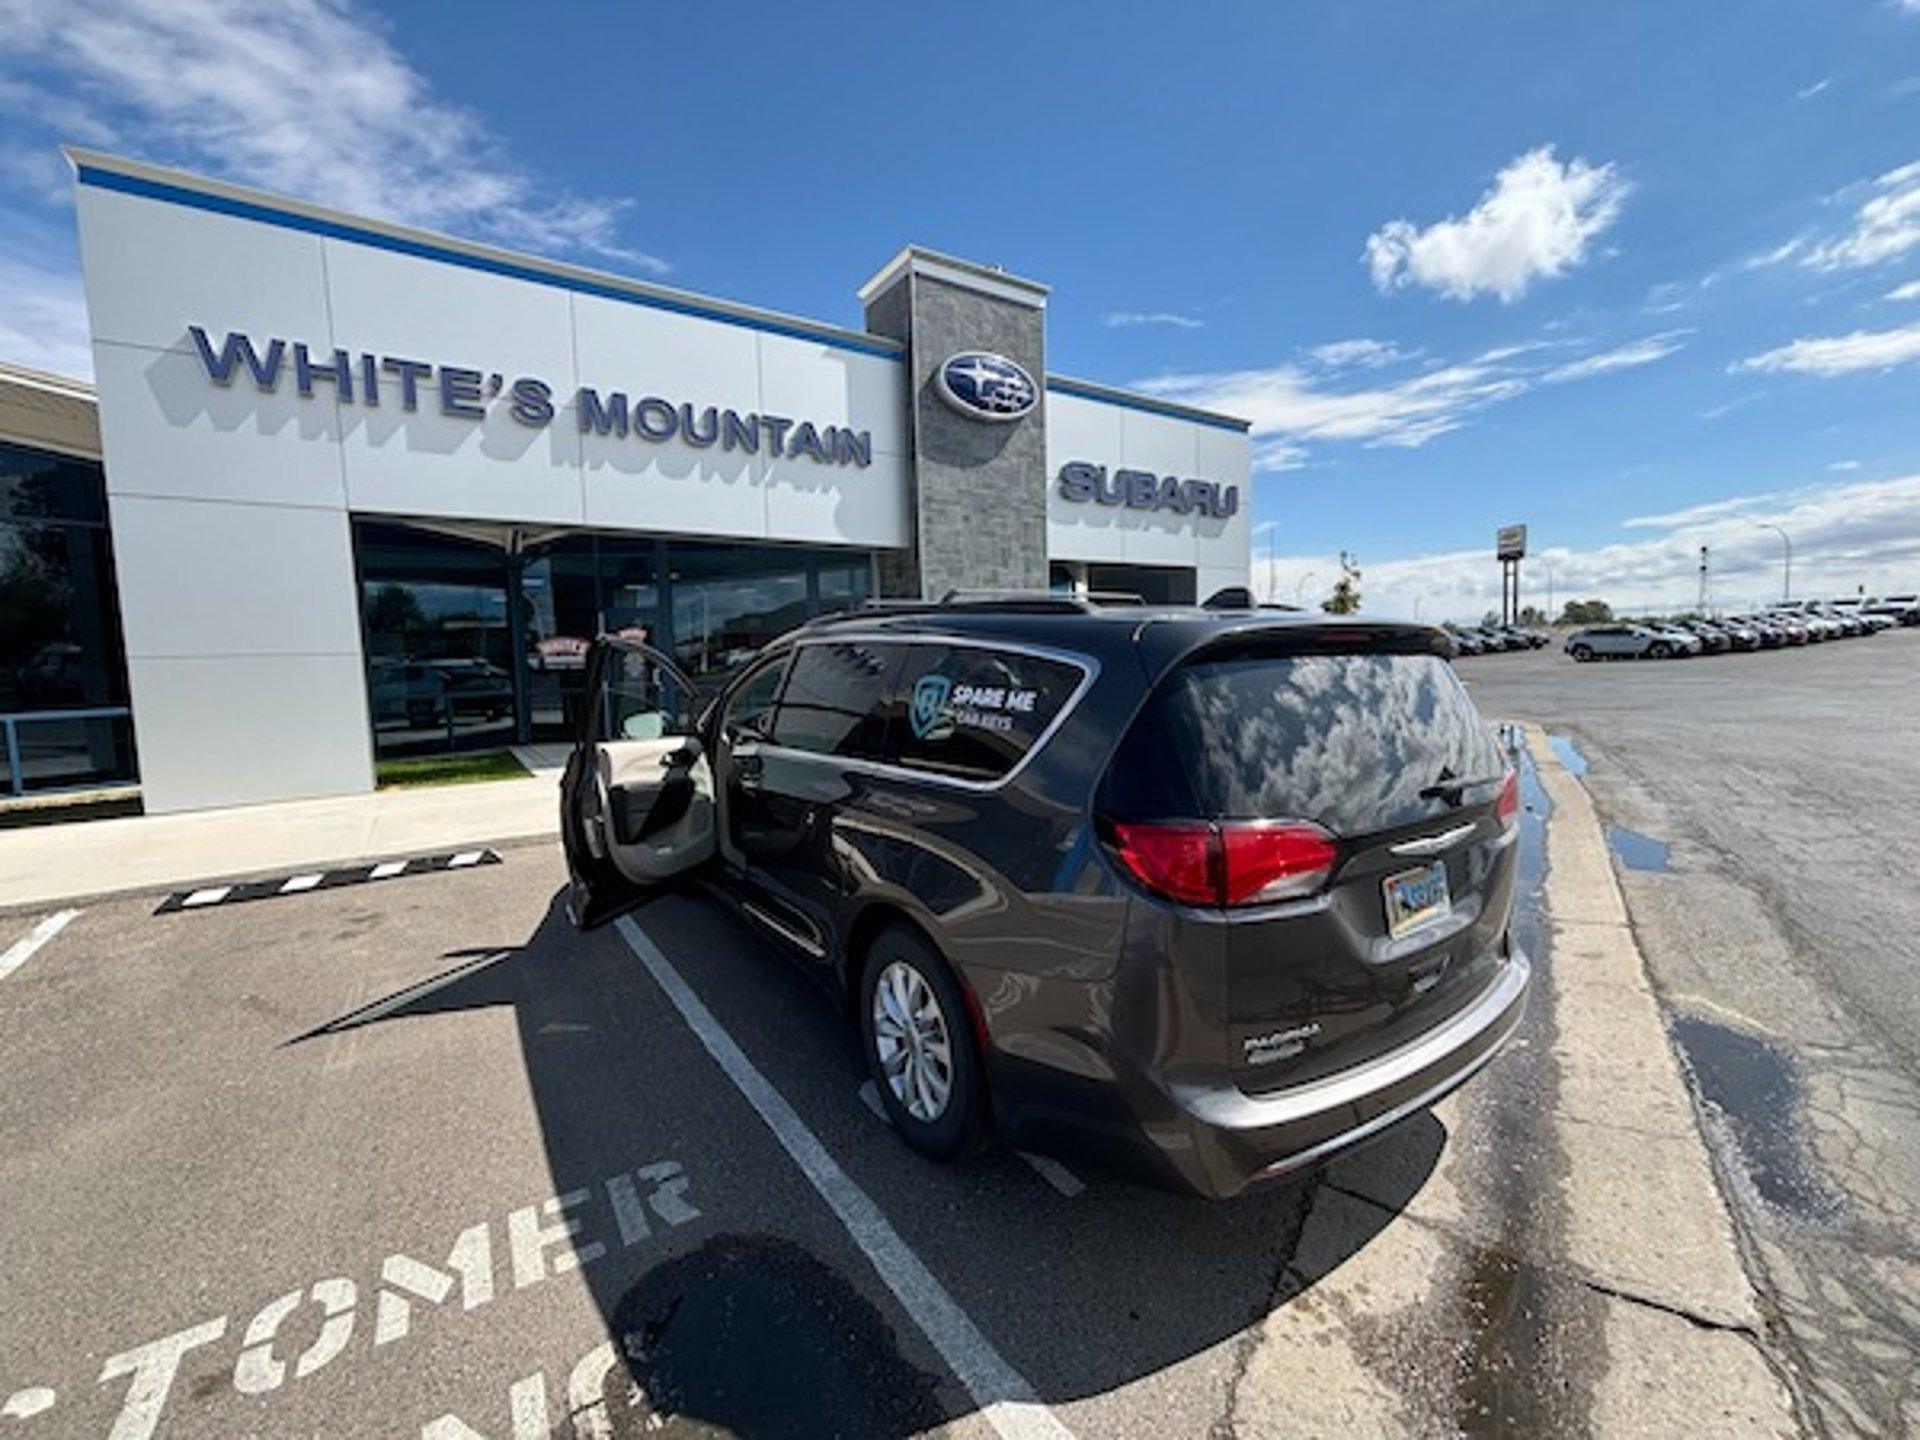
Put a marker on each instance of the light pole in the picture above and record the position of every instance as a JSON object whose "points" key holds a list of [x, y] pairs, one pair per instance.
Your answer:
{"points": [[1549, 569], [1786, 583]]}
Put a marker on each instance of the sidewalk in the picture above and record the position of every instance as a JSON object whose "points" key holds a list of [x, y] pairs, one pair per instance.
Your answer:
{"points": [[44, 864]]}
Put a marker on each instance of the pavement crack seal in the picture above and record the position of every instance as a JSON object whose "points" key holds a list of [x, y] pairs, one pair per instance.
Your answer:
{"points": [[1286, 1282]]}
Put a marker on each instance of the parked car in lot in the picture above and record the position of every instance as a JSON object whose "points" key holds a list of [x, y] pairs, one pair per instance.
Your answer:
{"points": [[1713, 640], [1465, 641], [1209, 896], [1903, 609], [1615, 642]]}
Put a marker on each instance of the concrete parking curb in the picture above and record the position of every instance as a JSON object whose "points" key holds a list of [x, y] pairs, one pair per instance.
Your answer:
{"points": [[1638, 1243], [45, 866]]}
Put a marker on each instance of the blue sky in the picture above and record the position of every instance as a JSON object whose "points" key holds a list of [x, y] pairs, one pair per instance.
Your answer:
{"points": [[1644, 276]]}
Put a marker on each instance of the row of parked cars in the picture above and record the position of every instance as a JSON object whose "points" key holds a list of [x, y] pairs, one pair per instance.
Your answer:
{"points": [[1803, 623], [1493, 639]]}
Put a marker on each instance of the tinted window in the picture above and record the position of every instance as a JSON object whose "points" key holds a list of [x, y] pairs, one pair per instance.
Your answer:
{"points": [[973, 712], [750, 710], [837, 698], [1348, 741]]}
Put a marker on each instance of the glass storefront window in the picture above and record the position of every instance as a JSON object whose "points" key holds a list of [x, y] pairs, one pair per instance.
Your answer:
{"points": [[62, 659], [729, 600], [439, 662], [472, 642]]}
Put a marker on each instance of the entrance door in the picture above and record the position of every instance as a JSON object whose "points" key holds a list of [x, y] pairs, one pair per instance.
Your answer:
{"points": [[636, 802]]}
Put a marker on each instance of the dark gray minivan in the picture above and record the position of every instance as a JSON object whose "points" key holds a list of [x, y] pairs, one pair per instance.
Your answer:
{"points": [[1201, 896]]}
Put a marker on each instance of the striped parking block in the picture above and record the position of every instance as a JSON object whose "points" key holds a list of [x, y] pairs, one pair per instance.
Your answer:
{"points": [[212, 895]]}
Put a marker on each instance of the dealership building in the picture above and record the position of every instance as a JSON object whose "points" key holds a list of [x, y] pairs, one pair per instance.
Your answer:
{"points": [[354, 491]]}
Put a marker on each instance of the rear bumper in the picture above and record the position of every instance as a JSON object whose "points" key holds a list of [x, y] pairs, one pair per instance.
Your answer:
{"points": [[1230, 1140]]}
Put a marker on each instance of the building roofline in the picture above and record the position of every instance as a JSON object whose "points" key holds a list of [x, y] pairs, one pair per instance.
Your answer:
{"points": [[114, 172], [1107, 394], [63, 385], [969, 274]]}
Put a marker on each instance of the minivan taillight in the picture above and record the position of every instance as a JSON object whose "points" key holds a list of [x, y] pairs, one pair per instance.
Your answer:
{"points": [[1235, 862], [1506, 809]]}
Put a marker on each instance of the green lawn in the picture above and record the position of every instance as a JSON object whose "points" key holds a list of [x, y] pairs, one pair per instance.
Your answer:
{"points": [[450, 769]]}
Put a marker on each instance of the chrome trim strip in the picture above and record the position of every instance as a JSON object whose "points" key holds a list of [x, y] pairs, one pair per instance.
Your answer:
{"points": [[1234, 1109], [1434, 844], [785, 931], [1088, 667]]}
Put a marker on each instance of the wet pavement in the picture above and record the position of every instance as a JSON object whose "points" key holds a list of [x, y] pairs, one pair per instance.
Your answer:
{"points": [[1778, 925]]}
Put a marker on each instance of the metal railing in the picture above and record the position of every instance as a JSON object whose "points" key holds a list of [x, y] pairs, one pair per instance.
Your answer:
{"points": [[10, 726]]}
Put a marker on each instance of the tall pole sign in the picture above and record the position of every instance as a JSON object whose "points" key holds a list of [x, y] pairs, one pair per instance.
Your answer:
{"points": [[1510, 548]]}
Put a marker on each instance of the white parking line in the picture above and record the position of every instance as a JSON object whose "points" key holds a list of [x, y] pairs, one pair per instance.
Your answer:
{"points": [[22, 950], [1054, 1173], [207, 897], [1006, 1400], [294, 884]]}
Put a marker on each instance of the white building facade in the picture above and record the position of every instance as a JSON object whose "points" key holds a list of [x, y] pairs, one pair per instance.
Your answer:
{"points": [[371, 491]]}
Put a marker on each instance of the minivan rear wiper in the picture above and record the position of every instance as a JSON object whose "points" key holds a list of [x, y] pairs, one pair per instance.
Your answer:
{"points": [[1445, 789]]}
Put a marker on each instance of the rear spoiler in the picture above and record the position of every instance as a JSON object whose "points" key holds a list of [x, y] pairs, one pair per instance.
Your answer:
{"points": [[1164, 644]]}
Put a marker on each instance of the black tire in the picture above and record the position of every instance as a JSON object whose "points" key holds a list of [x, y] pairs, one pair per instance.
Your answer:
{"points": [[1658, 650], [960, 1124], [1582, 653]]}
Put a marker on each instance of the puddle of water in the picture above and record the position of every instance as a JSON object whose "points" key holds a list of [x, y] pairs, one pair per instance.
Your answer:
{"points": [[750, 1335], [1569, 754], [1506, 1386], [1756, 1088], [1637, 851], [1530, 871]]}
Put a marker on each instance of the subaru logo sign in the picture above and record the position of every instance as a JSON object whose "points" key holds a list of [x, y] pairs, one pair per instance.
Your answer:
{"points": [[986, 387]]}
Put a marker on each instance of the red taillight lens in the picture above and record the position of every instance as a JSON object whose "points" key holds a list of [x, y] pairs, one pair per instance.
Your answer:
{"points": [[1233, 863], [1507, 808], [1275, 862], [1175, 860]]}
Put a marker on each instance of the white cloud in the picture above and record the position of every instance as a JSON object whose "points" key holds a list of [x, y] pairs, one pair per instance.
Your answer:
{"points": [[1840, 354], [1908, 291], [1844, 465], [1359, 354], [43, 319], [1693, 515], [1845, 536], [305, 97], [1287, 404], [1885, 227], [1120, 319], [1623, 357], [1807, 92], [1534, 223], [1291, 406]]}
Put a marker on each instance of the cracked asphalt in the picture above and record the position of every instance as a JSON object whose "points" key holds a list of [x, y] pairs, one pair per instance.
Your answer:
{"points": [[1782, 938]]}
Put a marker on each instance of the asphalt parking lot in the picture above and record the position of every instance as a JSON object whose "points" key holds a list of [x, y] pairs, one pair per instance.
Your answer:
{"points": [[415, 1158], [307, 1166], [1763, 811]]}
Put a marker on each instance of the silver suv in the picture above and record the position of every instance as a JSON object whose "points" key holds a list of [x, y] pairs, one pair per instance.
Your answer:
{"points": [[1612, 642]]}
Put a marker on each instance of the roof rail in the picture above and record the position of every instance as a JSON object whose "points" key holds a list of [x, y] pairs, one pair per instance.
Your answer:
{"points": [[1040, 601]]}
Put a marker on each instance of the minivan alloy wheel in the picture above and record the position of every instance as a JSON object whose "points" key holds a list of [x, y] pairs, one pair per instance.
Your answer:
{"points": [[912, 1041]]}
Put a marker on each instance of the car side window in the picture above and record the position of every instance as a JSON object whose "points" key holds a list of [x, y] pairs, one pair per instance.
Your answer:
{"points": [[749, 714], [641, 700], [973, 712], [839, 699]]}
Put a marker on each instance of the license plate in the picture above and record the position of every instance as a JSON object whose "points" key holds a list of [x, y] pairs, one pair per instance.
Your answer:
{"points": [[1416, 898]]}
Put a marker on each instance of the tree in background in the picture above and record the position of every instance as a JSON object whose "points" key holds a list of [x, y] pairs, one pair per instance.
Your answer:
{"points": [[1345, 599], [1586, 612]]}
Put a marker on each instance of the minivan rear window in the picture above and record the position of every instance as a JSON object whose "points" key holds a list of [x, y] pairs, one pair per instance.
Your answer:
{"points": [[1347, 741]]}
